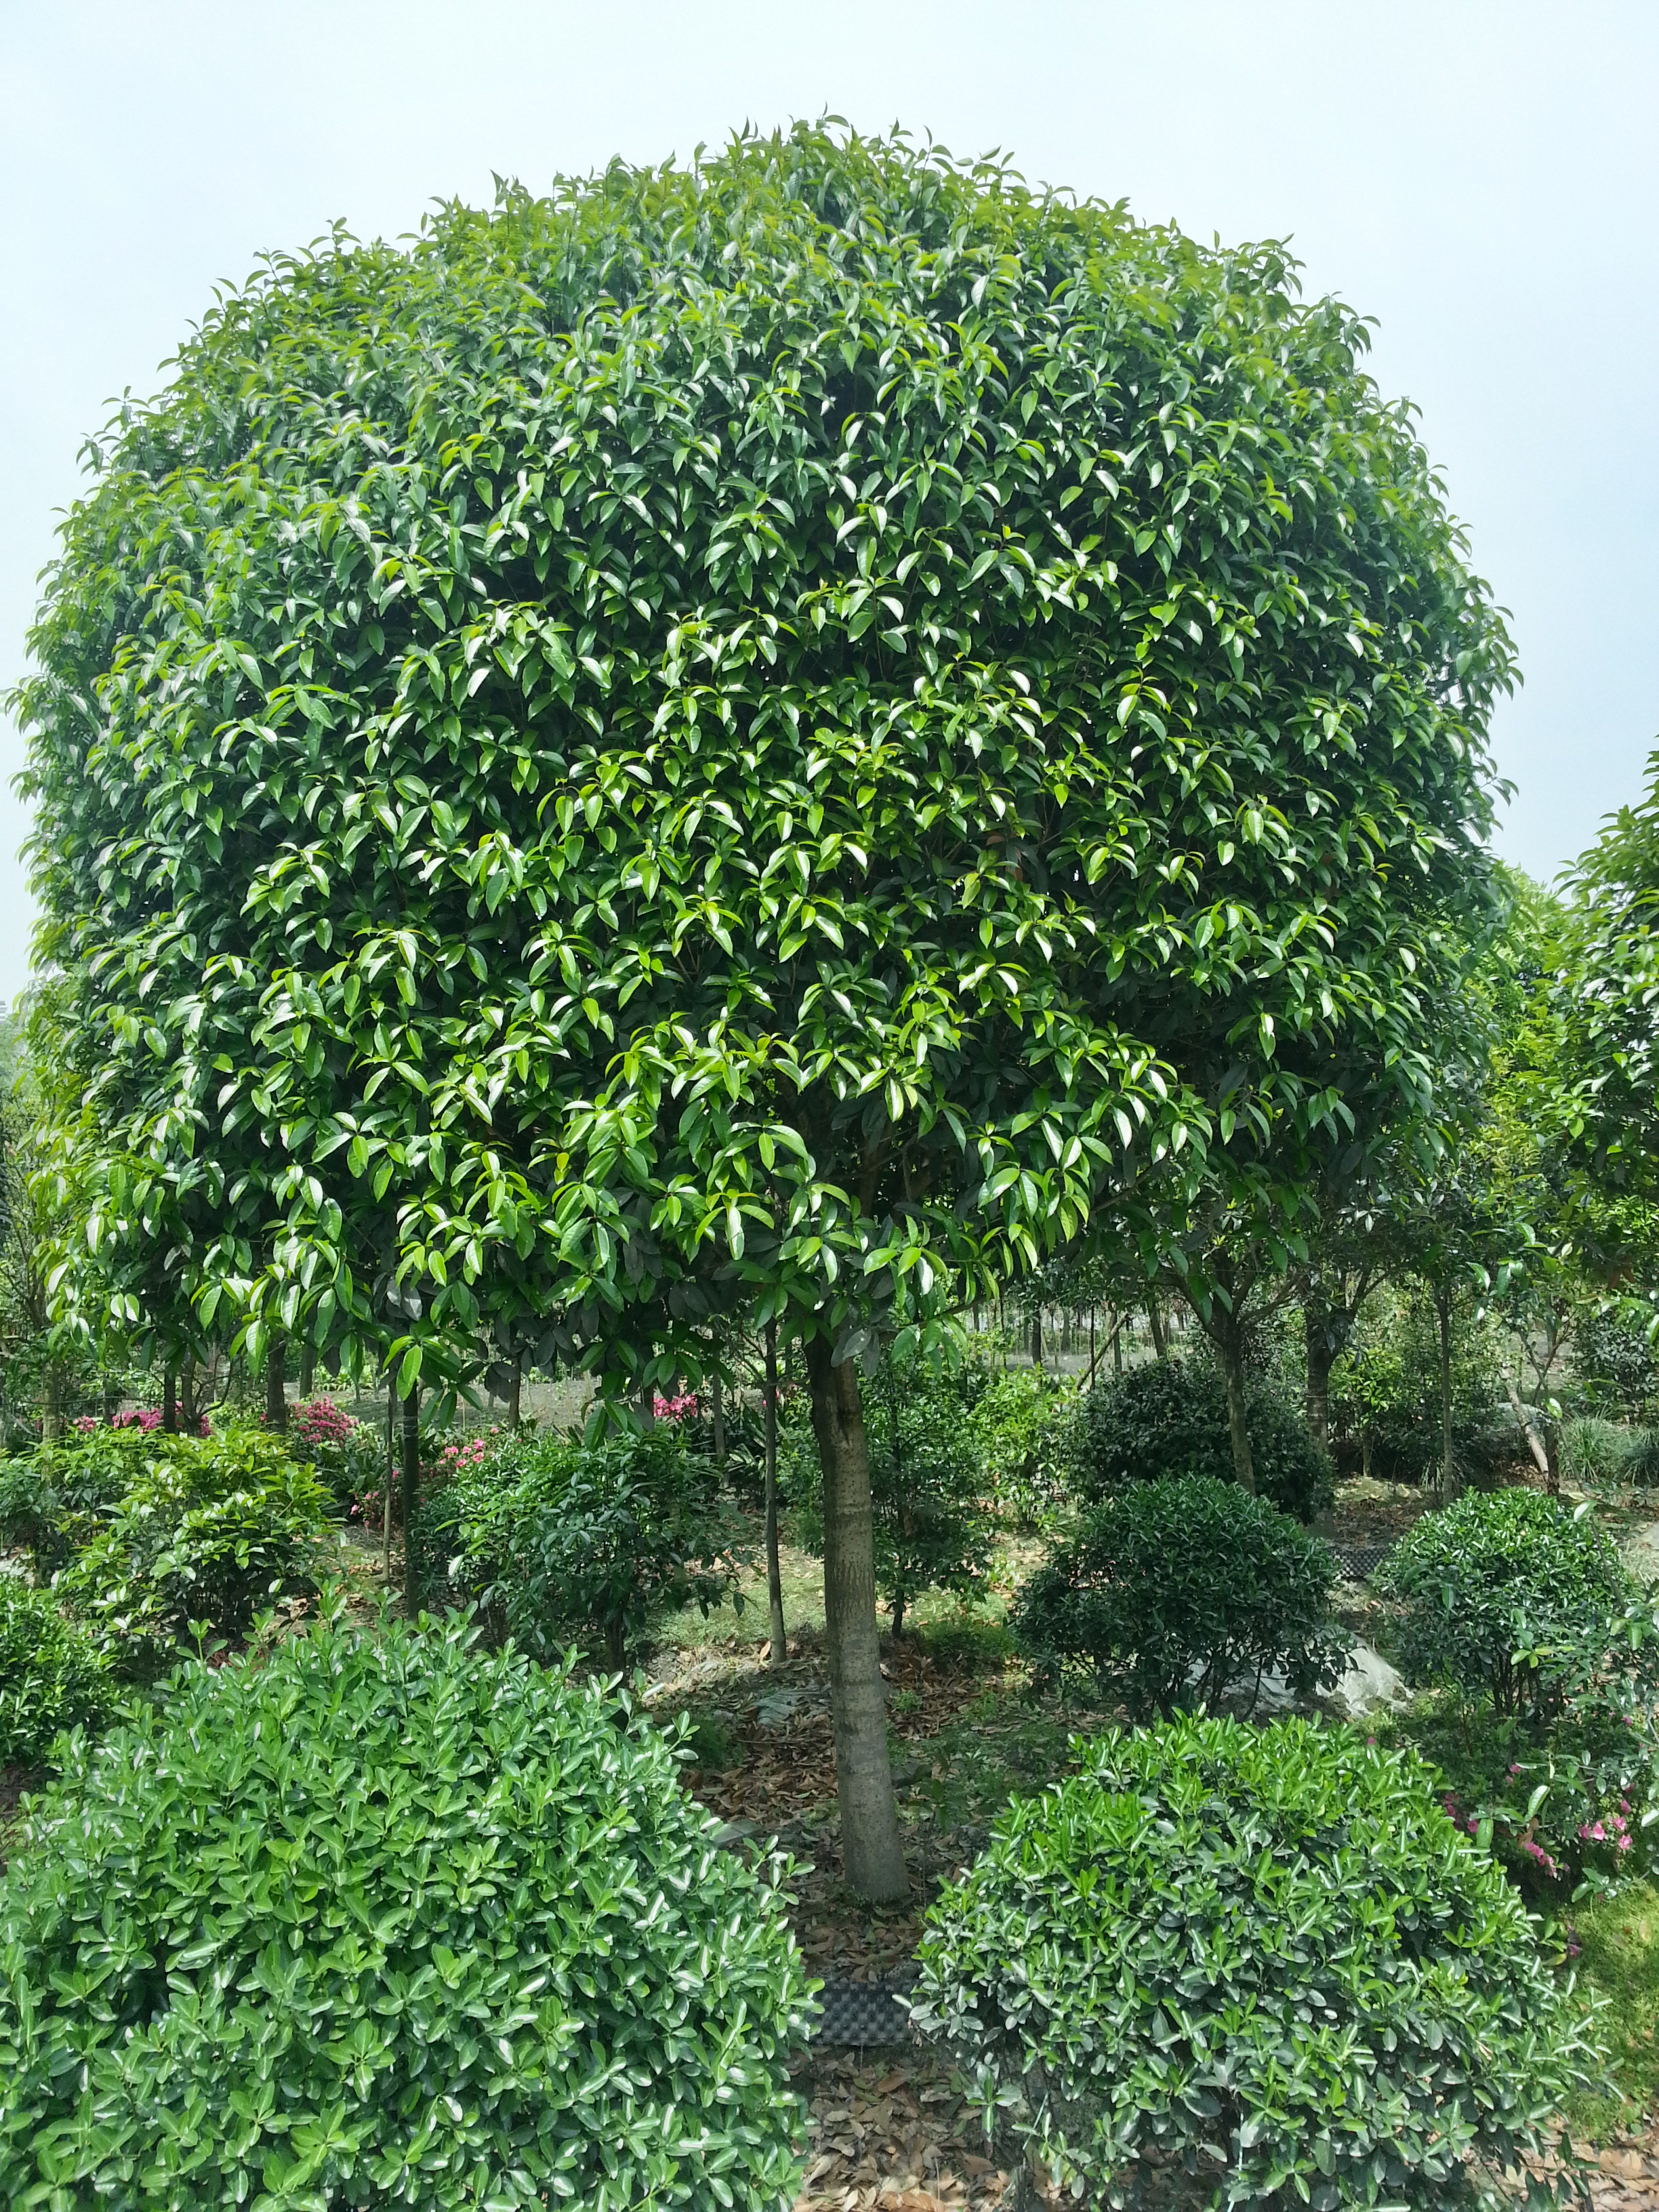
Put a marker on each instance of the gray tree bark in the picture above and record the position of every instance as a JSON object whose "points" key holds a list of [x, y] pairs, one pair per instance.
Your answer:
{"points": [[872, 1856], [780, 1647]]}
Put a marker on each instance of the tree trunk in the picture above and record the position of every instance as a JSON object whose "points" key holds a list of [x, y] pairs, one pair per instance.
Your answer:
{"points": [[410, 1472], [1316, 1330], [307, 1365], [169, 1402], [385, 1472], [647, 1402], [515, 1392], [51, 1405], [1449, 1484], [1036, 1336], [188, 1416], [276, 1384], [1117, 1343], [779, 1651], [1230, 1343], [717, 1416], [872, 1856], [1155, 1322]]}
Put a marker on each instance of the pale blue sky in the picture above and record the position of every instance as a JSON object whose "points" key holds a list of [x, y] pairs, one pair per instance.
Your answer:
{"points": [[1481, 178]]}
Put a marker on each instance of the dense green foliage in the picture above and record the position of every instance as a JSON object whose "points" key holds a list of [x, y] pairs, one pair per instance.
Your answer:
{"points": [[928, 1478], [1386, 1410], [1568, 1791], [52, 1676], [389, 1920], [1169, 1417], [1022, 1425], [1172, 1593], [785, 725], [206, 1533], [554, 1541], [1269, 1951], [54, 1500], [1491, 1576]]}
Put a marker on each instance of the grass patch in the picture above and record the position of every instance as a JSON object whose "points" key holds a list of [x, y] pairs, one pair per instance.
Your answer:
{"points": [[1619, 1960]]}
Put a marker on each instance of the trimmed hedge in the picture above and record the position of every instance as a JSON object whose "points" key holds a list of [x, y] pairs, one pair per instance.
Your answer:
{"points": [[1266, 1952], [1169, 1417], [1171, 1592], [389, 1920], [1493, 1573]]}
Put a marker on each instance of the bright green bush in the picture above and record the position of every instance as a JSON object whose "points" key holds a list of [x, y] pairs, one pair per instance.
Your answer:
{"points": [[208, 1533], [1169, 1417], [1022, 1425], [51, 1675], [389, 1920], [1488, 1574], [927, 1479], [1171, 1591], [1268, 1952], [554, 1542]]}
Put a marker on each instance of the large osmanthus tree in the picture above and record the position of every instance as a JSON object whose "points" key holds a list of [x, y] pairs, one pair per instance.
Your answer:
{"points": [[785, 734]]}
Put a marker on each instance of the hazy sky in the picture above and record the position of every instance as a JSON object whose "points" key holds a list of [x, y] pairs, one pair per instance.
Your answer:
{"points": [[1482, 180]]}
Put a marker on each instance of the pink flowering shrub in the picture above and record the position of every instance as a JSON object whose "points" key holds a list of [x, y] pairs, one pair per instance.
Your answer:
{"points": [[144, 1418], [681, 1407]]}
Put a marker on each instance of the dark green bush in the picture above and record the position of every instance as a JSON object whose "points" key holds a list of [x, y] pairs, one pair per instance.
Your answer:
{"points": [[1385, 1395], [1171, 1592], [1488, 1574], [554, 1542], [1268, 1952], [52, 1675], [927, 1479], [208, 1533], [389, 1921], [1169, 1417], [1613, 1361], [55, 1499]]}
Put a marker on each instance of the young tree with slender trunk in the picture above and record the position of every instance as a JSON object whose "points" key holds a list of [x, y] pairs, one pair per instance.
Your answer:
{"points": [[782, 738]]}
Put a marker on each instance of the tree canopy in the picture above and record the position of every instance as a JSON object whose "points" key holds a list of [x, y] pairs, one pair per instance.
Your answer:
{"points": [[812, 717], [794, 732]]}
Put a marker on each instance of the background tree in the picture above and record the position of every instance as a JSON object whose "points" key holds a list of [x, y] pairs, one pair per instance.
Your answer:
{"points": [[788, 733]]}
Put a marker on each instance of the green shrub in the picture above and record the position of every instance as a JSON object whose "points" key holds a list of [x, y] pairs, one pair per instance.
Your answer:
{"points": [[1268, 1952], [1385, 1394], [56, 1498], [1613, 1361], [51, 1675], [1022, 1427], [1171, 1591], [1568, 1791], [1489, 1573], [552, 1541], [389, 1920], [209, 1531], [1169, 1417], [927, 1478]]}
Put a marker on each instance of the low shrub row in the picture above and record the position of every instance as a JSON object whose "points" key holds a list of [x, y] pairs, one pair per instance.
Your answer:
{"points": [[390, 1917]]}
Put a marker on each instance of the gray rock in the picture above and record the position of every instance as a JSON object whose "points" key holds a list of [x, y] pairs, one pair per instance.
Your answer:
{"points": [[779, 1707], [1370, 1684]]}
